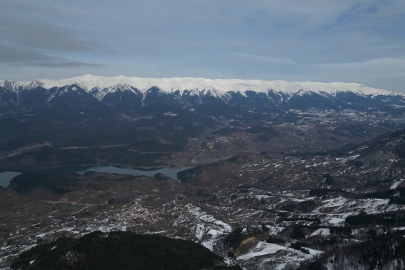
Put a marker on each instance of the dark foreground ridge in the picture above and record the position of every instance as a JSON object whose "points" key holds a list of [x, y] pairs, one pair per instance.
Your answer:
{"points": [[118, 250]]}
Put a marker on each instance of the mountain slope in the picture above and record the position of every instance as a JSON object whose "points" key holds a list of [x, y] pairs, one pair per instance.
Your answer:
{"points": [[129, 93], [191, 120], [171, 85], [118, 250]]}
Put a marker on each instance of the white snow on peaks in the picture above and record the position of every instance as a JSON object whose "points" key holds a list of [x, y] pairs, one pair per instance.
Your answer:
{"points": [[215, 86]]}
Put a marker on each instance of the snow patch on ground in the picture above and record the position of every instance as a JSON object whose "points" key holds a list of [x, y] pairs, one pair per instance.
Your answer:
{"points": [[208, 229], [322, 231], [395, 184], [273, 256], [261, 249], [336, 221]]}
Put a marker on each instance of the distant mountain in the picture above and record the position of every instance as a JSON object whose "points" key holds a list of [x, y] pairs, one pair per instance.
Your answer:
{"points": [[150, 122], [129, 93]]}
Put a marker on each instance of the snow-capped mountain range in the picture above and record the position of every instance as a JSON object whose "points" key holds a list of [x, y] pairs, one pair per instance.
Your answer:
{"points": [[134, 92], [170, 85]]}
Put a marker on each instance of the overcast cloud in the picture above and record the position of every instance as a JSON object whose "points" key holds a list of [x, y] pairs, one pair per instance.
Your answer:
{"points": [[297, 40]]}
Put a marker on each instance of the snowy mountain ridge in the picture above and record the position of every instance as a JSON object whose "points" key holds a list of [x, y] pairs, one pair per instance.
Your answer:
{"points": [[219, 87]]}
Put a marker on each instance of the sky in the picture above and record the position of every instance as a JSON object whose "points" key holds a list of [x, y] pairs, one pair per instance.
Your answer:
{"points": [[360, 41]]}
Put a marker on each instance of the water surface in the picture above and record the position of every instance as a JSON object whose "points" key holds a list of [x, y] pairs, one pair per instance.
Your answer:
{"points": [[5, 178], [147, 172]]}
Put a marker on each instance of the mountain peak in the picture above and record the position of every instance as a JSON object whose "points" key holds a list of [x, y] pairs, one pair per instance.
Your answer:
{"points": [[89, 82]]}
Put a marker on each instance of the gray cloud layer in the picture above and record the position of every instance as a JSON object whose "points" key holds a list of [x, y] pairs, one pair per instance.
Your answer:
{"points": [[42, 36], [322, 40], [20, 57]]}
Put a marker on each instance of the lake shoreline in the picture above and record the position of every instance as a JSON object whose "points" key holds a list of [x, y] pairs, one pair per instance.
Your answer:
{"points": [[171, 167], [7, 176]]}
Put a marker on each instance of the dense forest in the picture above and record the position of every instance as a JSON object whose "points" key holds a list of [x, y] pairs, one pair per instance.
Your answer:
{"points": [[28, 181], [118, 250], [383, 250]]}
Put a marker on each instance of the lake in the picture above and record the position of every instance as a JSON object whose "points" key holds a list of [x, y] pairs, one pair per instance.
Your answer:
{"points": [[5, 177], [147, 172]]}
